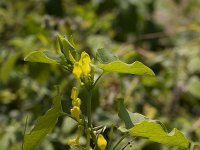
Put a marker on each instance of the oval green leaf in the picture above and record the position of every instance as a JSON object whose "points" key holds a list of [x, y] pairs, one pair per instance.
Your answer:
{"points": [[136, 68], [156, 133], [138, 125]]}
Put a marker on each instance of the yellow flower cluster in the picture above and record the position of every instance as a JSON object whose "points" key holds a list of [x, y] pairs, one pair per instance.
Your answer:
{"points": [[101, 142], [82, 67], [76, 103], [75, 112]]}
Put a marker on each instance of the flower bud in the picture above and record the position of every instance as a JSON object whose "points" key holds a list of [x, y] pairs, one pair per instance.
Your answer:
{"points": [[85, 62], [77, 70], [74, 93], [76, 102], [75, 111], [101, 142]]}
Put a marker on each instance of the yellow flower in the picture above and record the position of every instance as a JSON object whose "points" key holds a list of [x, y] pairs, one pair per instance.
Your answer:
{"points": [[77, 70], [86, 69], [101, 142], [82, 66], [74, 93], [85, 58], [85, 61], [76, 102], [75, 111]]}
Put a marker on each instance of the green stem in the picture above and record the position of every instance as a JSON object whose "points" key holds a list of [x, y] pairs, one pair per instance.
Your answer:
{"points": [[89, 115], [94, 139], [88, 139], [120, 140], [68, 115]]}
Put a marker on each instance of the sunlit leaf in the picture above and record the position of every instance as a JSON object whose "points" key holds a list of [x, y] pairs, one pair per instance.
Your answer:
{"points": [[136, 68], [155, 132], [138, 125], [44, 125], [41, 57]]}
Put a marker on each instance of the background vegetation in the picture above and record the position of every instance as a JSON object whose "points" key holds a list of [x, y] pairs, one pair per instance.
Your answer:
{"points": [[164, 35]]}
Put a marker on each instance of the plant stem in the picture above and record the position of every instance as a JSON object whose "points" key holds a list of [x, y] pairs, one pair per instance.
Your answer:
{"points": [[68, 115], [89, 115], [121, 139]]}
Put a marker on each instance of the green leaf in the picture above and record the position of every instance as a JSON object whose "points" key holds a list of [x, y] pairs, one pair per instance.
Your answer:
{"points": [[136, 68], [128, 117], [138, 125], [155, 132], [44, 125], [42, 57], [68, 51], [60, 39], [67, 47], [104, 56]]}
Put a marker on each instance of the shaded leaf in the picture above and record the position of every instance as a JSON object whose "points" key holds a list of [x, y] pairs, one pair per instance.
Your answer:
{"points": [[128, 117], [155, 132], [44, 125], [104, 56], [136, 68]]}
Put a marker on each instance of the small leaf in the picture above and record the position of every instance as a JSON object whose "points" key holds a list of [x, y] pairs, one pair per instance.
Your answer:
{"points": [[136, 68], [155, 132], [71, 41], [128, 117], [60, 38], [41, 56], [68, 51], [44, 125], [67, 48], [104, 56]]}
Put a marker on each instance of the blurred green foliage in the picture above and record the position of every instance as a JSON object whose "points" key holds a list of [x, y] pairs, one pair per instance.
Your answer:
{"points": [[163, 34]]}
